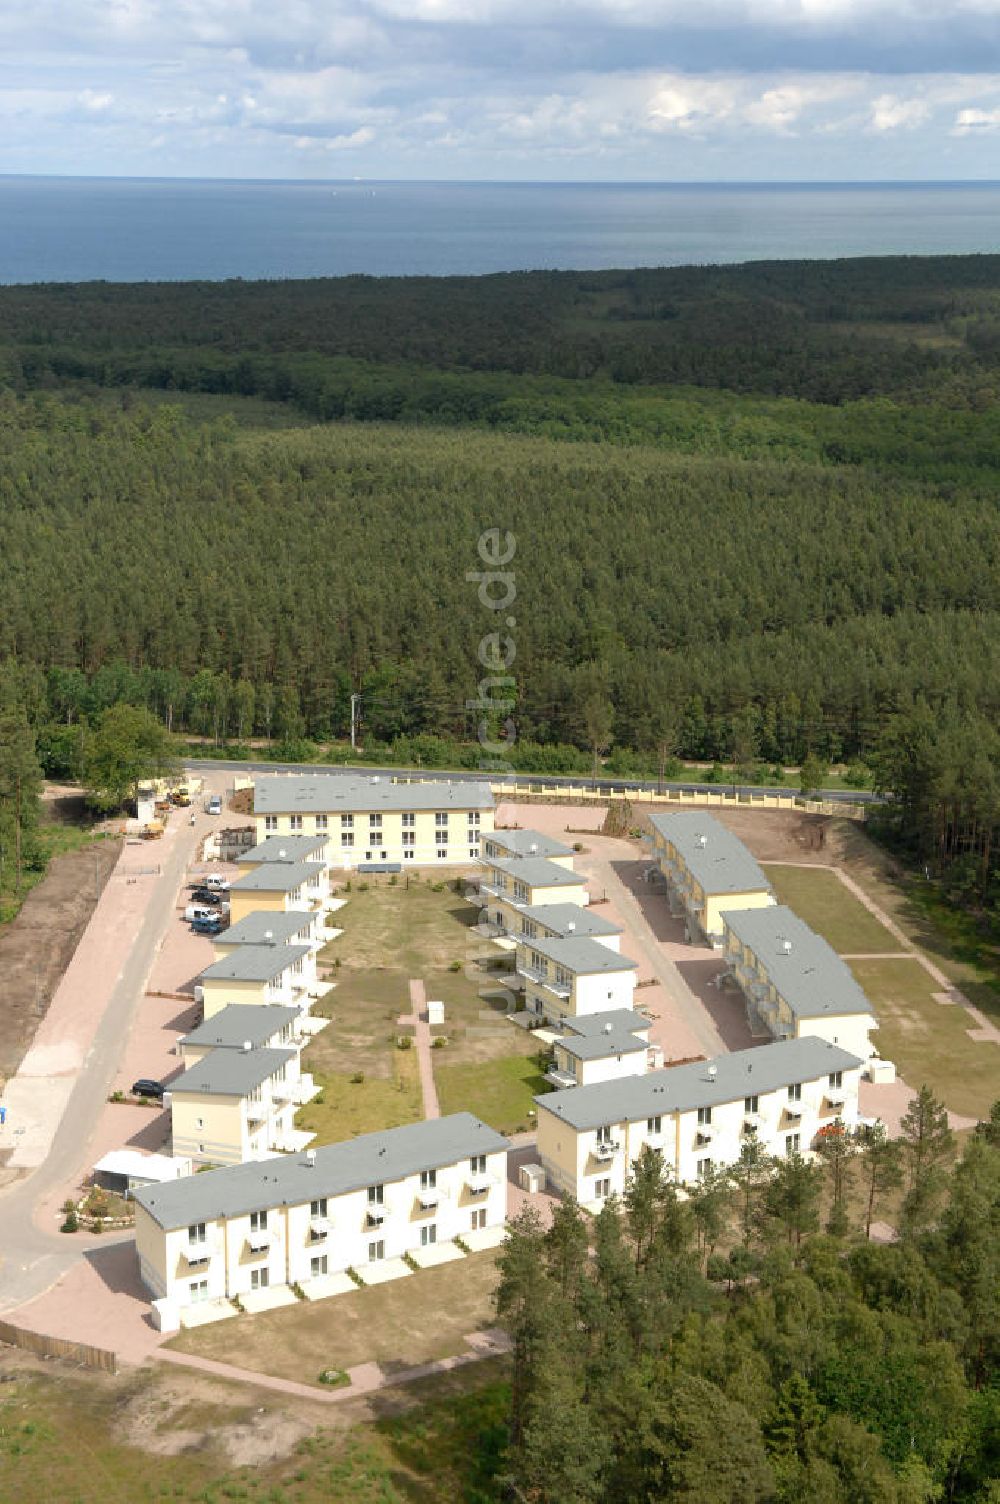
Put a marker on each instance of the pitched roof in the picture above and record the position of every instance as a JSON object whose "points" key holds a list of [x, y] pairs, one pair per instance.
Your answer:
{"points": [[526, 843], [254, 963], [233, 1025], [231, 1073], [276, 877], [266, 927], [371, 1159], [682, 1088], [805, 970], [566, 919], [579, 954], [282, 849], [717, 860], [329, 793]]}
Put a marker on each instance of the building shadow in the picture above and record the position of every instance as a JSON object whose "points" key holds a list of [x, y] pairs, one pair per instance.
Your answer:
{"points": [[724, 1005], [651, 901], [117, 1267], [153, 1136]]}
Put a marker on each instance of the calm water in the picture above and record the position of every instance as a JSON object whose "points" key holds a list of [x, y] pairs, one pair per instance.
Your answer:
{"points": [[75, 229]]}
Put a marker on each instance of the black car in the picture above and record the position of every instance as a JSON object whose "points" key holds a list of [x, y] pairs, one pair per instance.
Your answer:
{"points": [[147, 1088], [206, 895]]}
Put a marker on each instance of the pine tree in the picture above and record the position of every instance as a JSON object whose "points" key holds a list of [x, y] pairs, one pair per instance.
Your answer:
{"points": [[20, 788], [927, 1146], [880, 1160]]}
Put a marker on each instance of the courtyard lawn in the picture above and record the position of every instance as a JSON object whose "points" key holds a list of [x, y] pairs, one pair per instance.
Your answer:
{"points": [[476, 1023], [822, 901], [398, 1325], [929, 1041], [347, 1107], [415, 925], [501, 1091]]}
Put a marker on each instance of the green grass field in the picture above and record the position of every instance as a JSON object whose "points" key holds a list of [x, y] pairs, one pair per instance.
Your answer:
{"points": [[501, 1092], [820, 898]]}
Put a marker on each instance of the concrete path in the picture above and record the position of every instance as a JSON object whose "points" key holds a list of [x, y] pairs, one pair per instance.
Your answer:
{"points": [[103, 988], [422, 1045], [365, 1378]]}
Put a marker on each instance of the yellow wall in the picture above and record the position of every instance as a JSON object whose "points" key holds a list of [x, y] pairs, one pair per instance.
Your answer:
{"points": [[716, 905], [242, 904], [219, 1138], [219, 994]]}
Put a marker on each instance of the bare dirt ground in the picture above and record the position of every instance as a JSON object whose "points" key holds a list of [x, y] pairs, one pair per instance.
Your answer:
{"points": [[36, 947]]}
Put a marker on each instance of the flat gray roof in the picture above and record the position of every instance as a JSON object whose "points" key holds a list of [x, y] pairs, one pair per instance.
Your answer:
{"points": [[807, 972], [535, 871], [565, 919], [716, 859], [283, 849], [527, 843], [231, 1073], [621, 1019], [329, 793], [233, 1025], [682, 1088], [254, 963], [372, 1159], [600, 1046], [579, 954], [276, 877], [266, 927]]}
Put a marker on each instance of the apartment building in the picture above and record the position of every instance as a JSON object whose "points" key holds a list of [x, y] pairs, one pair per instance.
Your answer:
{"points": [[270, 1026], [280, 888], [527, 843], [272, 927], [510, 885], [563, 921], [376, 821], [707, 870], [794, 983], [696, 1116], [287, 848], [236, 1105], [300, 1219], [573, 977], [602, 1047], [259, 974]]}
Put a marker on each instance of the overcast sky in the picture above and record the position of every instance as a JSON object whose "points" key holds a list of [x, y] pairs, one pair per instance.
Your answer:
{"points": [[545, 89]]}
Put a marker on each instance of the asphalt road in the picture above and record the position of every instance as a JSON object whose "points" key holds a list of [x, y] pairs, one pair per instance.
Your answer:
{"points": [[32, 1258], [530, 780]]}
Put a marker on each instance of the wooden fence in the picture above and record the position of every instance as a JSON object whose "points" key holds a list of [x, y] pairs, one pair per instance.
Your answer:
{"points": [[58, 1347], [721, 798]]}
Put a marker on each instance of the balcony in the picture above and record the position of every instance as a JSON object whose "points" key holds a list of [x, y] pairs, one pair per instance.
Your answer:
{"points": [[376, 1215], [197, 1255], [478, 1185], [752, 1122], [259, 1241], [561, 990], [793, 1110], [560, 1079], [319, 1228], [605, 1149], [428, 1198], [256, 1112], [705, 1134], [836, 1096]]}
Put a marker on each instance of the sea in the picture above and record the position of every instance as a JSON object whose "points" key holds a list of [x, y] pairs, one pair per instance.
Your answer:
{"points": [[145, 229]]}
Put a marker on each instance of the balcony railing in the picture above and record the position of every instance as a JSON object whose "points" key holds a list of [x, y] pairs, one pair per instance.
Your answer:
{"points": [[560, 1079], [605, 1148]]}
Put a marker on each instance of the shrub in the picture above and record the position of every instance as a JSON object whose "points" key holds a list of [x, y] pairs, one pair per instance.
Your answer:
{"points": [[347, 887], [335, 1377], [439, 1041], [363, 887], [71, 1223], [117, 1096], [455, 966], [404, 1042], [393, 879], [577, 845], [358, 1079]]}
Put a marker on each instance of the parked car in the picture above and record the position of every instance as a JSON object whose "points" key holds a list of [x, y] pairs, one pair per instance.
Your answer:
{"points": [[145, 1087], [207, 897], [216, 882], [211, 925], [214, 805]]}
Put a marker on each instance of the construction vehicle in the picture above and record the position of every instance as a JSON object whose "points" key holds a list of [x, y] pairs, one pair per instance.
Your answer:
{"points": [[153, 831]]}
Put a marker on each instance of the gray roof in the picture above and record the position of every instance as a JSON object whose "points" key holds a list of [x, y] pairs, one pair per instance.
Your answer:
{"points": [[722, 864], [621, 1019], [276, 877], [810, 976], [569, 919], [233, 1025], [682, 1088], [601, 1046], [283, 849], [579, 954], [535, 871], [266, 927], [254, 963], [231, 1073], [527, 843], [328, 793], [372, 1159]]}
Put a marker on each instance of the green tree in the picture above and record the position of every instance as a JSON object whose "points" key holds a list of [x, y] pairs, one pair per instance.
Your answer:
{"points": [[693, 1445], [709, 1200], [20, 789], [880, 1160], [836, 1148], [792, 1195], [927, 1147], [749, 1176], [812, 775], [128, 746]]}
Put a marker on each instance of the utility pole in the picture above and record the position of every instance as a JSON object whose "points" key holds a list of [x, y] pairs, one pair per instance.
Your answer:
{"points": [[354, 721]]}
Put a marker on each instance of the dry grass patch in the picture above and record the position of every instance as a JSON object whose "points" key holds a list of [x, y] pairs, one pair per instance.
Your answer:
{"points": [[398, 1325], [476, 1025], [929, 1041], [822, 901]]}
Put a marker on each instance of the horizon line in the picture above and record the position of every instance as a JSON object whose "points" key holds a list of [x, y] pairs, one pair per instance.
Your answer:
{"points": [[358, 180]]}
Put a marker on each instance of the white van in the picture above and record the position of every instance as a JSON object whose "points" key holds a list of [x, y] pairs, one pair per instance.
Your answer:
{"points": [[200, 911], [216, 882]]}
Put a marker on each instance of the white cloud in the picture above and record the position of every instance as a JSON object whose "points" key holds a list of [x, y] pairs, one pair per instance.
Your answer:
{"points": [[890, 113], [968, 121]]}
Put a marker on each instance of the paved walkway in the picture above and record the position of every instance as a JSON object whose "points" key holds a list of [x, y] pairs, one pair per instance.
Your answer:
{"points": [[422, 1045], [365, 1378]]}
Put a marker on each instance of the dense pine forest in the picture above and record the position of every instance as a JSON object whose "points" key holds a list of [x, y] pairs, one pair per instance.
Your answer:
{"points": [[754, 509]]}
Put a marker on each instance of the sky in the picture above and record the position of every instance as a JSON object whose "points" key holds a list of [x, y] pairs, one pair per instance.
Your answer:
{"points": [[640, 90]]}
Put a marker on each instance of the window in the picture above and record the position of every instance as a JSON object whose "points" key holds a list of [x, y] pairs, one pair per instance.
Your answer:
{"points": [[528, 928], [260, 1278], [795, 1092], [441, 837], [704, 1167], [270, 823], [347, 822], [318, 1208], [347, 838], [376, 1195], [199, 1122], [602, 1188], [319, 1265], [428, 1179], [258, 1221], [792, 1141], [408, 854], [704, 1115], [375, 821], [654, 1125], [604, 1135], [520, 892], [442, 852], [321, 824], [198, 1290], [836, 1079], [751, 1104], [473, 850], [473, 817], [441, 821], [409, 837], [409, 820], [295, 822], [196, 1233], [428, 1234], [376, 1251], [478, 1218]]}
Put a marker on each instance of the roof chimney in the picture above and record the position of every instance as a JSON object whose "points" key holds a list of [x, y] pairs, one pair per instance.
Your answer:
{"points": [[786, 947], [571, 926], [247, 1046], [282, 854], [609, 1028], [310, 1157], [533, 847], [712, 1072]]}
